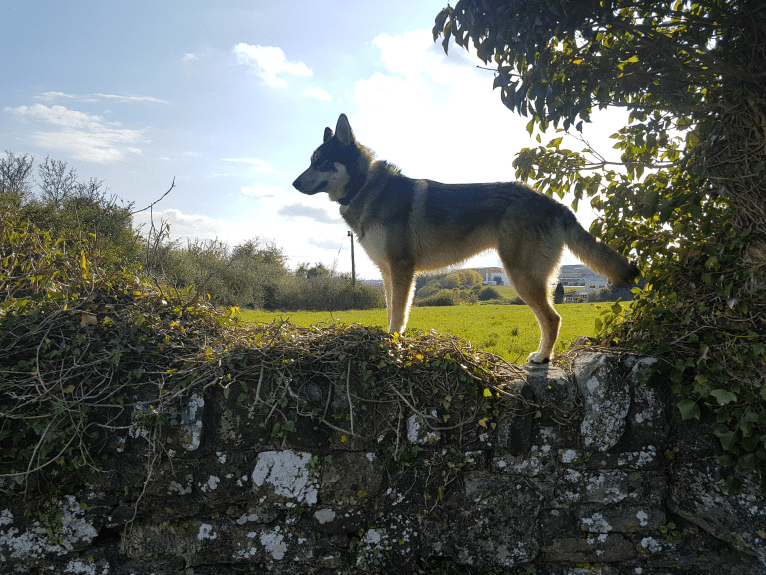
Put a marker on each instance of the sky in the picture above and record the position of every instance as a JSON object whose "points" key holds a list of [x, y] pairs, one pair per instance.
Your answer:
{"points": [[229, 99]]}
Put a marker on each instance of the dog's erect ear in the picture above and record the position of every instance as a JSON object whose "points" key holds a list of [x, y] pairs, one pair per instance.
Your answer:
{"points": [[343, 131], [327, 134]]}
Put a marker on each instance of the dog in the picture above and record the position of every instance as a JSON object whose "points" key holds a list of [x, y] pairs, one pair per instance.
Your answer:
{"points": [[407, 225]]}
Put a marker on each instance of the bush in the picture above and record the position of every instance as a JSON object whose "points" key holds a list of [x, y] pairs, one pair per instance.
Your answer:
{"points": [[254, 275], [326, 292], [77, 217], [431, 288], [443, 298], [462, 279], [488, 292], [612, 293], [250, 275]]}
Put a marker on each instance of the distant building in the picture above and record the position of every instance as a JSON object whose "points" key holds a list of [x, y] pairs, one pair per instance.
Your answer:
{"points": [[577, 295], [576, 275], [493, 276], [581, 276]]}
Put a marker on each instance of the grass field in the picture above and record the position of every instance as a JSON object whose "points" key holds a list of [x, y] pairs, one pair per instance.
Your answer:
{"points": [[509, 331], [509, 293]]}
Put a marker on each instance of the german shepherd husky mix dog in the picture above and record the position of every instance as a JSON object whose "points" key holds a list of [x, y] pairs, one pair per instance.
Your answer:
{"points": [[407, 225]]}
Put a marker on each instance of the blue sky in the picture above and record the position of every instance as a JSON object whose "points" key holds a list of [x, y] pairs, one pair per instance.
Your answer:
{"points": [[231, 98]]}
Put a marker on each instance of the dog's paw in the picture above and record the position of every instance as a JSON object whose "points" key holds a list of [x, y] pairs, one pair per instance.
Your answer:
{"points": [[538, 357]]}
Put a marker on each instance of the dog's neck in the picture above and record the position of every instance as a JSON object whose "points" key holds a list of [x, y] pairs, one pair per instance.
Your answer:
{"points": [[353, 188], [369, 172]]}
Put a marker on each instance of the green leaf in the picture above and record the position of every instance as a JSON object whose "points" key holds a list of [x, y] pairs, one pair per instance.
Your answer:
{"points": [[725, 460], [747, 462], [731, 486], [747, 421], [701, 386], [728, 439], [689, 409], [723, 396]]}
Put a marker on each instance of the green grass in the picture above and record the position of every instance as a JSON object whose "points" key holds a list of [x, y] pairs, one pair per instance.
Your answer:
{"points": [[509, 293], [506, 291], [509, 331]]}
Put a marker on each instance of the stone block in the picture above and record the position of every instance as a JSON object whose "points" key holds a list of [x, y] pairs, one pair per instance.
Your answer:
{"points": [[352, 479], [606, 399], [607, 487], [592, 548], [739, 519], [491, 524], [551, 384], [284, 477]]}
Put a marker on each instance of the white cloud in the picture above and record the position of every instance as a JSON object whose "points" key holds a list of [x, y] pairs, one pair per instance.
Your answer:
{"points": [[189, 57], [334, 246], [58, 115], [132, 98], [436, 116], [318, 93], [86, 137], [299, 210], [260, 190], [269, 62], [52, 96], [257, 165], [193, 226]]}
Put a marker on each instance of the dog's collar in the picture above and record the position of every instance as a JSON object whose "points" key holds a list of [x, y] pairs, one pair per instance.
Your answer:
{"points": [[352, 189]]}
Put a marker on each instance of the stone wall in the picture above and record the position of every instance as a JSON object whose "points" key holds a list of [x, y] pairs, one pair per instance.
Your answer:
{"points": [[602, 478]]}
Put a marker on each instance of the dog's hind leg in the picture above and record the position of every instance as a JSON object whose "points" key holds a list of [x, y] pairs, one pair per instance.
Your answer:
{"points": [[532, 284], [402, 276]]}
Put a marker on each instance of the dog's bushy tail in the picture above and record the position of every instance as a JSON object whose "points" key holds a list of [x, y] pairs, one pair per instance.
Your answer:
{"points": [[598, 256]]}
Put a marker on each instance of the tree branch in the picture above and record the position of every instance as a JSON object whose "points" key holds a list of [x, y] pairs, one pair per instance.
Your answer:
{"points": [[157, 201]]}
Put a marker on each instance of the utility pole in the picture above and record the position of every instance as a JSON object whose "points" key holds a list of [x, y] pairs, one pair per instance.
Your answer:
{"points": [[353, 267]]}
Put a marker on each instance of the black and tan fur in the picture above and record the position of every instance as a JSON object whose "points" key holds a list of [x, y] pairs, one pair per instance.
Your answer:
{"points": [[408, 225]]}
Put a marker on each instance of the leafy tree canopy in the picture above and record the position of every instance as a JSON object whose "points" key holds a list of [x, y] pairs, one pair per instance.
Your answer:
{"points": [[462, 279], [688, 195]]}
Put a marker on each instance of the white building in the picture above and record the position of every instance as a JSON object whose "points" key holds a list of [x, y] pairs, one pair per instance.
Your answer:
{"points": [[490, 276], [579, 275], [569, 275]]}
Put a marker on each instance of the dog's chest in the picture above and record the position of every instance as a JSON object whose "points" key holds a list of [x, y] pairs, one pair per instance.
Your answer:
{"points": [[373, 241]]}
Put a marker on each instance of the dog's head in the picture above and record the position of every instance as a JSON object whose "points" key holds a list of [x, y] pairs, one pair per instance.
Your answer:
{"points": [[331, 163]]}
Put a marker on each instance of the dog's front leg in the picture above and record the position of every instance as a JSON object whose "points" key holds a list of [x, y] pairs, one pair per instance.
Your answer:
{"points": [[402, 280], [387, 290]]}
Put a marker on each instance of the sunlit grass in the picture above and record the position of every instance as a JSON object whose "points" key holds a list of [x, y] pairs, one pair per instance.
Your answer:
{"points": [[509, 331]]}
